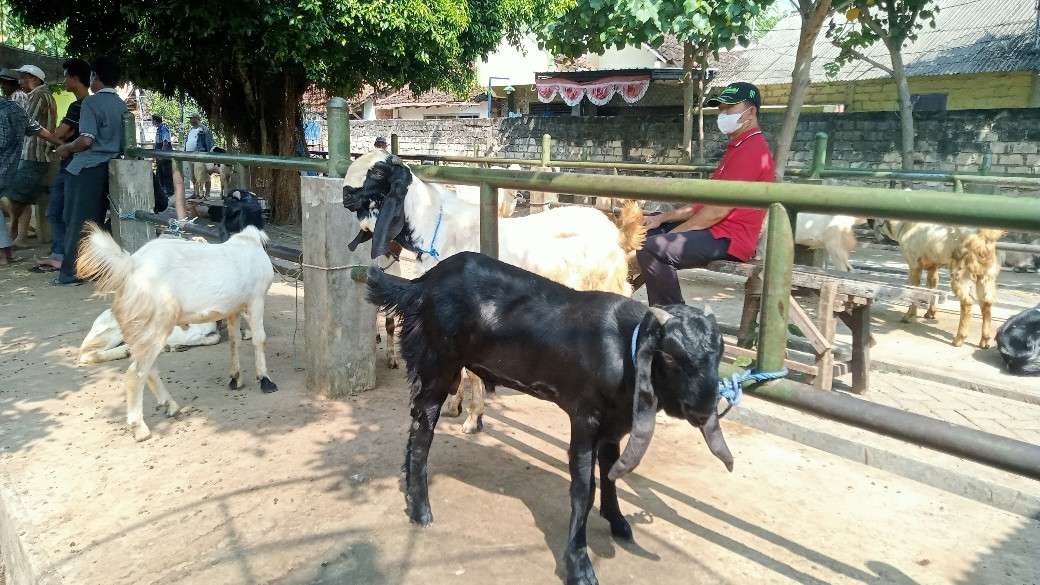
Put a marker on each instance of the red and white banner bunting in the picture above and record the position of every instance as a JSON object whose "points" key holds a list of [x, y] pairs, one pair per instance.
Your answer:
{"points": [[632, 89]]}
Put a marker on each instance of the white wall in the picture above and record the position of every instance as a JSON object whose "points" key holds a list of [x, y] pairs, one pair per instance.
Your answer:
{"points": [[519, 66], [627, 58], [420, 113]]}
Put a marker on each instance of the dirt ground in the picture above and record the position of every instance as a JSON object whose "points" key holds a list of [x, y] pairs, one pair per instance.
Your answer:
{"points": [[290, 488]]}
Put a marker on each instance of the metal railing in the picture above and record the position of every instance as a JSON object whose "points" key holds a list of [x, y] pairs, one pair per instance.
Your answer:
{"points": [[817, 170], [961, 208]]}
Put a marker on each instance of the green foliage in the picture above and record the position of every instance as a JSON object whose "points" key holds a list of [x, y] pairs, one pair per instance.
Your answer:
{"points": [[49, 40], [593, 26], [866, 22]]}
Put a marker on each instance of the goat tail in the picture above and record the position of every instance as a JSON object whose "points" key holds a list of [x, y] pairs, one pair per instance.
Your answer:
{"points": [[100, 258], [633, 232], [390, 293]]}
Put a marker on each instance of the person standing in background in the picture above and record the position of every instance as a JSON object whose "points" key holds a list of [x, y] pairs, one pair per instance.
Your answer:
{"points": [[199, 139], [36, 152]]}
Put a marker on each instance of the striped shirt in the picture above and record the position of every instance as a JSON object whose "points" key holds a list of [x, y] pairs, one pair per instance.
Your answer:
{"points": [[40, 107], [14, 127]]}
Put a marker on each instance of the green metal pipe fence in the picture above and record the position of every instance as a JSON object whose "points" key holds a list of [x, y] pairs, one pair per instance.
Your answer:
{"points": [[961, 208]]}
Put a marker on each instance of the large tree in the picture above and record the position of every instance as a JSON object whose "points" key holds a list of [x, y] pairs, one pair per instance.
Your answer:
{"points": [[895, 23], [247, 63], [812, 14], [703, 26]]}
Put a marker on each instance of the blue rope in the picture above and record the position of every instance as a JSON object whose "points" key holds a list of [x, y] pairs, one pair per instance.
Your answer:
{"points": [[433, 240], [729, 388]]}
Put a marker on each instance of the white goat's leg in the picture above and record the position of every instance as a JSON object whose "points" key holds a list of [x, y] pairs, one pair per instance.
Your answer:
{"points": [[133, 383], [475, 419], [162, 396], [453, 405], [933, 282], [236, 368], [913, 280], [256, 324]]}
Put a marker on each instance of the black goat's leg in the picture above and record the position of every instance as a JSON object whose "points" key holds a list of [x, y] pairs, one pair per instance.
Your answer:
{"points": [[608, 501], [582, 454], [426, 408]]}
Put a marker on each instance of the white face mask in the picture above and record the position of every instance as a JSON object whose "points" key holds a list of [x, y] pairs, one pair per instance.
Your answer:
{"points": [[728, 123]]}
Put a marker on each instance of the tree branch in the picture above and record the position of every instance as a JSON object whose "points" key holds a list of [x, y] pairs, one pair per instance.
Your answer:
{"points": [[866, 59]]}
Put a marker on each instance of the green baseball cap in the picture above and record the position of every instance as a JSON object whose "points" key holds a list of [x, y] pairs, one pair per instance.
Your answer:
{"points": [[735, 93]]}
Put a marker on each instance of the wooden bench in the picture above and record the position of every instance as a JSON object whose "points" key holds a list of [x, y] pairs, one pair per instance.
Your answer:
{"points": [[847, 296]]}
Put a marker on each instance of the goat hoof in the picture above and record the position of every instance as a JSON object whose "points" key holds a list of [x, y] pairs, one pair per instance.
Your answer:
{"points": [[958, 341], [620, 528], [172, 408], [421, 517], [930, 315], [267, 386], [141, 432], [579, 571], [985, 343], [392, 364], [233, 383], [471, 428], [452, 411]]}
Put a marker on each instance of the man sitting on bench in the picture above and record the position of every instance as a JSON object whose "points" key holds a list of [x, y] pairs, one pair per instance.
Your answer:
{"points": [[694, 235]]}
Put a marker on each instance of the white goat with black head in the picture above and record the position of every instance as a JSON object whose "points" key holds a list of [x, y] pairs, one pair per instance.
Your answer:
{"points": [[575, 246], [173, 282]]}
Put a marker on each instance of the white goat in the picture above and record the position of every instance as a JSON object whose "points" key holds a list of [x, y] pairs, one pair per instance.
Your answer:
{"points": [[575, 246], [971, 256], [833, 233], [177, 282], [105, 340]]}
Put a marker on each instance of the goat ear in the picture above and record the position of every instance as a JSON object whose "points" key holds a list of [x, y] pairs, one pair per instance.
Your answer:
{"points": [[389, 225], [717, 441], [644, 401], [661, 315]]}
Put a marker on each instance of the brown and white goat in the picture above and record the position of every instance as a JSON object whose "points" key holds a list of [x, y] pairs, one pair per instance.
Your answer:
{"points": [[171, 282], [971, 256]]}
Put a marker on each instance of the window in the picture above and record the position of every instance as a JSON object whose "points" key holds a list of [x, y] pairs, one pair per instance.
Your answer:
{"points": [[449, 116], [552, 110], [928, 102]]}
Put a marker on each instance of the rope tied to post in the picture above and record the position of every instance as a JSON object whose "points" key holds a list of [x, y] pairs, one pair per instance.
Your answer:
{"points": [[731, 388]]}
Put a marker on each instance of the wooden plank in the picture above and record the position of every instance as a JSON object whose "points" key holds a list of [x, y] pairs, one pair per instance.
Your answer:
{"points": [[800, 318], [848, 284], [825, 312], [858, 320], [837, 369]]}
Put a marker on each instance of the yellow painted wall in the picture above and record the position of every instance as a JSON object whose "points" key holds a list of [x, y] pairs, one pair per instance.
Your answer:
{"points": [[964, 92]]}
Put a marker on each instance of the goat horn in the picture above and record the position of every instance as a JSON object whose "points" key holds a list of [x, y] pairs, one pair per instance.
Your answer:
{"points": [[661, 315], [707, 310], [716, 441]]}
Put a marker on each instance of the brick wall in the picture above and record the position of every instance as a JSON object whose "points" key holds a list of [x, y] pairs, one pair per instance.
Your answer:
{"points": [[964, 92], [947, 141]]}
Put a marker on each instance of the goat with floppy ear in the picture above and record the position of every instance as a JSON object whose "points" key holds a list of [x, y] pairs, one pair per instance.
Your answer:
{"points": [[609, 362]]}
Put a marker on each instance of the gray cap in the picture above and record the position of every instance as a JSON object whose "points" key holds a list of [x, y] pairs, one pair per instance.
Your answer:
{"points": [[8, 74], [380, 140], [194, 115]]}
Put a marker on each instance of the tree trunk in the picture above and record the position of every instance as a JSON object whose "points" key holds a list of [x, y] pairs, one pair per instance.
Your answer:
{"points": [[688, 62], [702, 86], [812, 22], [260, 110], [906, 113]]}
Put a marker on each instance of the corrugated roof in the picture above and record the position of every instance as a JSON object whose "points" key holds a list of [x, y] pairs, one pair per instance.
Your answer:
{"points": [[971, 36]]}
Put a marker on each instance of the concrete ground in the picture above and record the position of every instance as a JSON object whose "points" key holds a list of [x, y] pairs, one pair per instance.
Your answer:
{"points": [[292, 488]]}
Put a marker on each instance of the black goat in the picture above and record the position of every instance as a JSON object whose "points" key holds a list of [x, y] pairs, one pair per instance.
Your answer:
{"points": [[609, 362], [1018, 340], [241, 208]]}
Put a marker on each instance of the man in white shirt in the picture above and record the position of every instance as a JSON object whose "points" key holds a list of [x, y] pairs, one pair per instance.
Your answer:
{"points": [[199, 140]]}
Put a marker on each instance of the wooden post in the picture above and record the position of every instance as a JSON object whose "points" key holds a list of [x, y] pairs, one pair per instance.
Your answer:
{"points": [[130, 187], [179, 203], [825, 315], [860, 325], [339, 324]]}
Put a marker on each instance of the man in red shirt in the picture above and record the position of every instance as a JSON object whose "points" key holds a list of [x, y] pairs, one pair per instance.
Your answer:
{"points": [[694, 235]]}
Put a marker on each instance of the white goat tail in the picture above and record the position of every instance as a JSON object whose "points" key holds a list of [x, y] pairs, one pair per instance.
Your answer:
{"points": [[100, 258]]}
